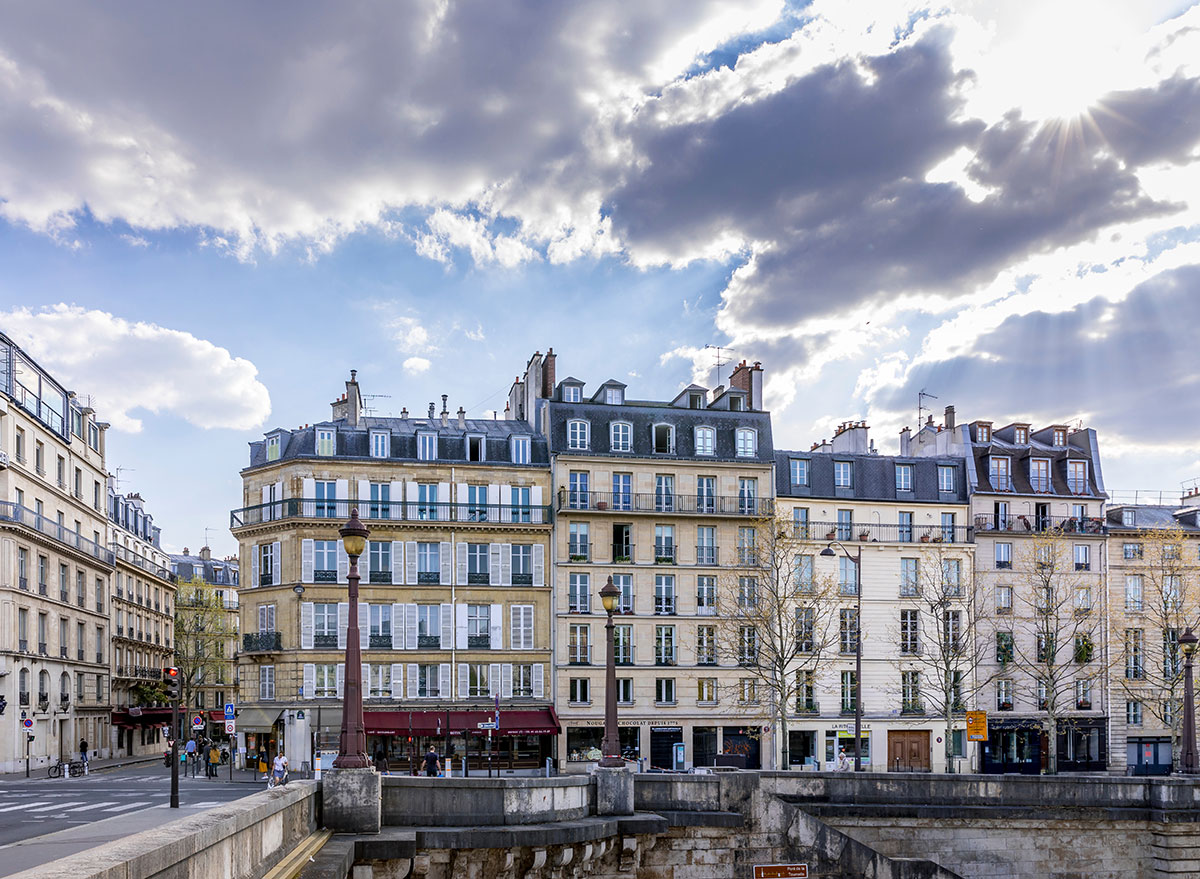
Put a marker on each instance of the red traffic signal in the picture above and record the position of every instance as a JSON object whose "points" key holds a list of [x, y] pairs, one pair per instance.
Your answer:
{"points": [[170, 676]]}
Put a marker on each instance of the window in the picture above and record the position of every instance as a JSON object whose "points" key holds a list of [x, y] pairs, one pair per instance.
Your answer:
{"points": [[380, 616], [706, 691], [379, 681], [1004, 695], [476, 448], [1039, 474], [1077, 477], [952, 577], [579, 594], [266, 683], [1045, 646], [624, 691], [1060, 436], [622, 491], [521, 619], [623, 645], [706, 494], [266, 618], [747, 690], [904, 474], [624, 582], [522, 680], [326, 441], [951, 631], [904, 524], [747, 592], [985, 433], [664, 544], [910, 693], [805, 577], [578, 434], [847, 576], [577, 541], [1083, 599], [572, 394], [800, 522], [381, 444], [849, 692], [706, 441], [1004, 647], [910, 584], [1133, 713], [845, 524], [1020, 435], [614, 396], [1128, 519], [577, 492], [621, 436], [664, 691], [429, 682], [520, 510], [746, 442], [1131, 550], [706, 596], [479, 626], [843, 474], [664, 439], [579, 645], [381, 496], [1003, 555], [429, 563], [848, 630], [427, 446], [799, 471], [580, 691], [664, 594], [478, 681], [324, 561], [266, 564], [706, 545], [748, 496], [945, 477], [325, 625], [910, 627], [664, 493], [1172, 659], [1000, 474], [429, 626], [1133, 592], [706, 645], [1083, 694], [948, 527], [664, 645], [1083, 557], [326, 499]]}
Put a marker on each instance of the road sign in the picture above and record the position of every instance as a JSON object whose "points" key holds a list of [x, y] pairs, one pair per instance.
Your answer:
{"points": [[486, 724], [27, 723], [230, 727], [198, 722], [977, 727], [229, 712], [781, 871]]}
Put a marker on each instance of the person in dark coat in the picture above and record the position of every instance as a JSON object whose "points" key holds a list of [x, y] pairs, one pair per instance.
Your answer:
{"points": [[433, 763]]}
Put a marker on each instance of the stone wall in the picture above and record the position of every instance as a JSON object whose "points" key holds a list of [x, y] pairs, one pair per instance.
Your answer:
{"points": [[464, 802]]}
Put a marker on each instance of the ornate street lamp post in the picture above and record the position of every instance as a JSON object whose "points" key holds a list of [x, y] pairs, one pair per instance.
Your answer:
{"points": [[1188, 641], [828, 552], [352, 744], [611, 746]]}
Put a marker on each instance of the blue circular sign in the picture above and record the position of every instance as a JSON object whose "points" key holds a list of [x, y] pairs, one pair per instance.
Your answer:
{"points": [[27, 723]]}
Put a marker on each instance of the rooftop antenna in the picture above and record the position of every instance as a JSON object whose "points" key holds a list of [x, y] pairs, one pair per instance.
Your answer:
{"points": [[921, 407], [206, 530], [117, 475], [371, 409], [718, 349]]}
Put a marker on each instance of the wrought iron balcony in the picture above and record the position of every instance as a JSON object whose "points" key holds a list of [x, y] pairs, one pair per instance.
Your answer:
{"points": [[15, 513], [864, 532], [1031, 523], [662, 503], [262, 642], [391, 511]]}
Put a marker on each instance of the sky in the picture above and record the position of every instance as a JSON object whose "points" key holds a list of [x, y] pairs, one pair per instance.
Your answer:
{"points": [[210, 213]]}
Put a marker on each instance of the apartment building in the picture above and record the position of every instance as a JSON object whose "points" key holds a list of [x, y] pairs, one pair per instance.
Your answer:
{"points": [[1154, 595], [663, 496], [142, 625], [1037, 502], [55, 568], [454, 606], [208, 614], [904, 520]]}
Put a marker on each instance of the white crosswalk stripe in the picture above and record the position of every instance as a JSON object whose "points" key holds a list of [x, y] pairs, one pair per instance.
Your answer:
{"points": [[125, 806], [53, 806], [23, 806], [88, 806]]}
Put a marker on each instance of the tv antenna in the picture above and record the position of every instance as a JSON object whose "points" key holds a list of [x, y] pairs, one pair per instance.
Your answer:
{"points": [[718, 349], [117, 475], [371, 409], [921, 407], [206, 530]]}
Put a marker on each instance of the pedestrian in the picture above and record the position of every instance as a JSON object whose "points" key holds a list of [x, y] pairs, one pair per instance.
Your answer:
{"points": [[214, 760], [380, 759], [83, 750], [843, 760], [433, 763]]}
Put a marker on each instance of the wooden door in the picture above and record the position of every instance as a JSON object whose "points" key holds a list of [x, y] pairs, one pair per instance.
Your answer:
{"points": [[908, 750]]}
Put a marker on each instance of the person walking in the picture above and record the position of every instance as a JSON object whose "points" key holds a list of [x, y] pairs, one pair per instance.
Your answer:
{"points": [[83, 750], [214, 760], [433, 763], [189, 751]]}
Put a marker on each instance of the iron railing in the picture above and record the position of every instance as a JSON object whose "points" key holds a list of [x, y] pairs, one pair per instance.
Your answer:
{"points": [[262, 642], [1031, 523], [663, 503], [393, 511], [865, 532], [10, 512]]}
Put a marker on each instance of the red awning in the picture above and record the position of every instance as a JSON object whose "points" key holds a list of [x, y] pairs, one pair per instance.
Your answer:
{"points": [[530, 722], [142, 717], [217, 716]]}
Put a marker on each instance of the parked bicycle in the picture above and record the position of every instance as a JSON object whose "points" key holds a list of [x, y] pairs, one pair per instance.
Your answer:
{"points": [[74, 769]]}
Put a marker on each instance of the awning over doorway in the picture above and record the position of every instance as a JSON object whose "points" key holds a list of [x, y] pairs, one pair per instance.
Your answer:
{"points": [[529, 722], [135, 718], [257, 719]]}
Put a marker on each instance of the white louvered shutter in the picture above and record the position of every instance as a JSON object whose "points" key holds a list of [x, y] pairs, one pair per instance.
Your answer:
{"points": [[277, 567], [412, 680], [364, 626], [395, 501], [460, 498], [306, 625], [461, 553], [306, 561], [342, 509], [506, 564], [365, 681], [446, 562], [505, 503], [410, 495], [410, 562], [254, 551], [398, 634], [443, 507], [444, 680], [410, 627], [539, 565], [460, 626], [539, 681], [310, 680], [494, 564], [464, 680], [506, 686], [309, 500], [397, 562], [343, 564], [493, 496], [535, 500], [268, 513], [343, 623], [341, 679], [497, 627], [397, 680], [521, 632], [364, 497], [447, 633], [493, 679]]}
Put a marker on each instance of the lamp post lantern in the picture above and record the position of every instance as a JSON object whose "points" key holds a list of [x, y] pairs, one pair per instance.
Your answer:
{"points": [[352, 744], [856, 560], [611, 746], [1188, 641]]}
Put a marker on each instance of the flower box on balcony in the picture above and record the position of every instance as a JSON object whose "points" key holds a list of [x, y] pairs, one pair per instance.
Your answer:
{"points": [[601, 505]]}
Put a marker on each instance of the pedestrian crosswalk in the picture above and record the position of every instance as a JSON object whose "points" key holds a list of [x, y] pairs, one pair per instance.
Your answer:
{"points": [[68, 806]]}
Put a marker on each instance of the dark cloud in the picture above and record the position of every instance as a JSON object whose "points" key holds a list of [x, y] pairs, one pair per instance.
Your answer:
{"points": [[1153, 124]]}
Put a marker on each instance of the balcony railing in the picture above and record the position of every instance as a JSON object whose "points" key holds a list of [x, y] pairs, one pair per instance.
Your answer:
{"points": [[140, 561], [395, 511], [708, 555], [262, 642], [875, 533], [807, 706], [670, 504], [1031, 523], [139, 672], [10, 512]]}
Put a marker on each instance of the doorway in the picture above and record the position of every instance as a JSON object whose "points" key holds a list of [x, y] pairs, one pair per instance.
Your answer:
{"points": [[908, 750], [662, 743]]}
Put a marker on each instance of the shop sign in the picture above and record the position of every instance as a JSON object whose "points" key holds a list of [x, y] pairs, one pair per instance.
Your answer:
{"points": [[977, 726], [849, 726]]}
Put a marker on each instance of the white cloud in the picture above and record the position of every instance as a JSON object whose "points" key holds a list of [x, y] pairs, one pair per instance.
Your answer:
{"points": [[417, 365], [129, 366]]}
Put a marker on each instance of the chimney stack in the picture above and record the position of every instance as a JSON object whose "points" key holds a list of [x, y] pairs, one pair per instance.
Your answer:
{"points": [[186, 551], [445, 412], [949, 418], [462, 418], [548, 375], [205, 554], [748, 379], [905, 442], [431, 415]]}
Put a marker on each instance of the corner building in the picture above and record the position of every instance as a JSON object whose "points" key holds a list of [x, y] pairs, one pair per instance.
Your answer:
{"points": [[454, 601], [658, 495]]}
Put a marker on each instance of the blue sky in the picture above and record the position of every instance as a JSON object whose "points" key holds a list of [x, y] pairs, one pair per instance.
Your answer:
{"points": [[208, 217]]}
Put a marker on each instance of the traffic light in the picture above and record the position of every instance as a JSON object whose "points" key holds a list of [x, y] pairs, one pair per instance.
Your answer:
{"points": [[171, 679]]}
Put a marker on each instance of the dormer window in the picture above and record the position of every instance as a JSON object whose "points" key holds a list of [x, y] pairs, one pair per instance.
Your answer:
{"points": [[520, 450], [621, 436], [706, 441], [572, 393], [381, 444], [273, 448], [614, 396], [427, 446], [1060, 436], [985, 433], [843, 474], [735, 404], [1128, 518], [799, 471], [1077, 477], [664, 439], [746, 440], [945, 477], [1000, 473], [326, 441], [578, 434], [695, 401], [904, 477], [476, 448], [1021, 435]]}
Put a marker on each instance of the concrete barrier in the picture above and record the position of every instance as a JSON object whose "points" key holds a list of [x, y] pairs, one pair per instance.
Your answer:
{"points": [[240, 840], [466, 802]]}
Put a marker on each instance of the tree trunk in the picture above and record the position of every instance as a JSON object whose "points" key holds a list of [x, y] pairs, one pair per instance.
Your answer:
{"points": [[949, 743], [783, 732], [1052, 746]]}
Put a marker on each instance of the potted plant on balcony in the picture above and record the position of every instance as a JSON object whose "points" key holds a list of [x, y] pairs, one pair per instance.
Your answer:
{"points": [[830, 534], [601, 505], [1006, 706], [863, 535], [1084, 704], [924, 538]]}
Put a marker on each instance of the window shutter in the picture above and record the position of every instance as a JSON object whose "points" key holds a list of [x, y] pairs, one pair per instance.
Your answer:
{"points": [[464, 680], [254, 551], [494, 564], [461, 551], [410, 626], [443, 507], [447, 632], [398, 633], [397, 562], [343, 623], [506, 564], [397, 680], [306, 626], [410, 562], [341, 679], [497, 627], [539, 681], [264, 624], [412, 680], [308, 502], [364, 626], [267, 512], [445, 561], [306, 561], [310, 680], [535, 500], [410, 494], [364, 497], [506, 688], [494, 679], [277, 508], [493, 499], [444, 680], [539, 565], [277, 567], [342, 509], [460, 626], [395, 498], [460, 498], [365, 681], [343, 564], [515, 614], [505, 503]]}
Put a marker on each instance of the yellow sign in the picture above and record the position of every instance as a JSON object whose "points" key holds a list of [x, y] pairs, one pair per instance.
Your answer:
{"points": [[977, 730]]}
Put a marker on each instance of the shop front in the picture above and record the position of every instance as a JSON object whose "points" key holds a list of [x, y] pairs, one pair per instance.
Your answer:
{"points": [[841, 738], [521, 744], [258, 736], [1148, 755], [1013, 746], [139, 730], [741, 746]]}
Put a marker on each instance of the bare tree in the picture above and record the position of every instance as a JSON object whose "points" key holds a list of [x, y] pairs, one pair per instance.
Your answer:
{"points": [[1055, 631], [1162, 599], [775, 617], [202, 631], [939, 655]]}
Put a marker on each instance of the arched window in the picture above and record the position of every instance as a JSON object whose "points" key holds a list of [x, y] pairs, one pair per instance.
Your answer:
{"points": [[578, 434], [621, 436], [747, 442]]}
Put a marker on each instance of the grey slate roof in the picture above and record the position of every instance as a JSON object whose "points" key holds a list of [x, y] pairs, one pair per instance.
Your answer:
{"points": [[1155, 516], [1020, 455], [874, 478]]}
